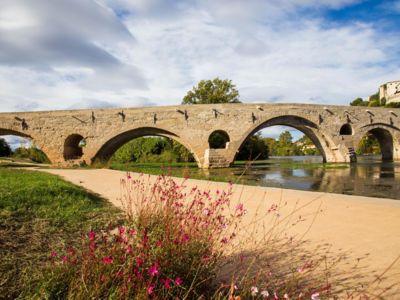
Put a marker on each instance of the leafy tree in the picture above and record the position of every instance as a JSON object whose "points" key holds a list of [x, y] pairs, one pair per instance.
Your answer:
{"points": [[253, 148], [212, 91], [272, 146], [374, 103], [359, 102], [307, 146], [32, 153], [5, 149], [285, 139], [152, 149], [368, 145]]}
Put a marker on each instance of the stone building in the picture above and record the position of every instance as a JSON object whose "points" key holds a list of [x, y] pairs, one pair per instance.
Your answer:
{"points": [[390, 91]]}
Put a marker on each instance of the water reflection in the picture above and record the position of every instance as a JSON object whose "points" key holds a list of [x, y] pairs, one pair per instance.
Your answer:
{"points": [[368, 177]]}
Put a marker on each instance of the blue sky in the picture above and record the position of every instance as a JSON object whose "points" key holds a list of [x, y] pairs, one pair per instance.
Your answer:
{"points": [[64, 54]]}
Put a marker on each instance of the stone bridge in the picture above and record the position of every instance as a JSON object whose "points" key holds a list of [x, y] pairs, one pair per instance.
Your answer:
{"points": [[335, 130]]}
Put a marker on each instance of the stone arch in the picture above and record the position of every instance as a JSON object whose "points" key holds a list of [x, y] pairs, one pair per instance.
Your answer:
{"points": [[108, 148], [72, 147], [346, 129], [310, 129], [385, 138], [218, 139], [13, 132], [33, 140]]}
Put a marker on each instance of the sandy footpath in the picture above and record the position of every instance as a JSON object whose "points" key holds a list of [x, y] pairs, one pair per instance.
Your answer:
{"points": [[354, 225]]}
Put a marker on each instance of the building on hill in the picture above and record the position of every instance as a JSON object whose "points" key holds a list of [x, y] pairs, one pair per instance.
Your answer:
{"points": [[390, 91]]}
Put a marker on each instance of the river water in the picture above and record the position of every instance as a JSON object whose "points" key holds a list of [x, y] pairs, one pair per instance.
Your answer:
{"points": [[368, 177]]}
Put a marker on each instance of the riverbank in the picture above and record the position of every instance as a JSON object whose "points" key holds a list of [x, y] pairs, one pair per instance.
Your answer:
{"points": [[364, 231]]}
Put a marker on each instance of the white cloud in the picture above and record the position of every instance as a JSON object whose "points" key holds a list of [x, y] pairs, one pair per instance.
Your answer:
{"points": [[76, 53]]}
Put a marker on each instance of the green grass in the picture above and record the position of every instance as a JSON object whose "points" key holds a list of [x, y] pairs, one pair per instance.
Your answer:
{"points": [[40, 212]]}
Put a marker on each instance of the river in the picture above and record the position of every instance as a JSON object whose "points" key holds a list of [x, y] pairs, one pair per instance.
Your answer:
{"points": [[368, 177]]}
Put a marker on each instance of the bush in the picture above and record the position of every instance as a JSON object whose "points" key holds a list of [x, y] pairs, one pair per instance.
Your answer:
{"points": [[32, 153], [170, 246], [393, 105], [5, 149]]}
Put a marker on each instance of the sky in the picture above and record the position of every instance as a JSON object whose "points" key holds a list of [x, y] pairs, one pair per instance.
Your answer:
{"points": [[70, 54]]}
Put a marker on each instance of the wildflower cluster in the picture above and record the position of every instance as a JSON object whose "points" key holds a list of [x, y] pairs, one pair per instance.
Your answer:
{"points": [[169, 247]]}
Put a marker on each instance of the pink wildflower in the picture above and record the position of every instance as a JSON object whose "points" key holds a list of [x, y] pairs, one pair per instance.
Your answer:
{"points": [[139, 261], [132, 232], [53, 254], [107, 260], [121, 230], [178, 281], [92, 235], [167, 282], [153, 270], [185, 237], [150, 289], [265, 294], [315, 296], [254, 291]]}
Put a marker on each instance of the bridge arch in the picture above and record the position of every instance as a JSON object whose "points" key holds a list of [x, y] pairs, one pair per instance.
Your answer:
{"points": [[218, 139], [73, 147], [310, 129], [386, 137], [107, 149], [4, 131], [38, 153], [346, 129]]}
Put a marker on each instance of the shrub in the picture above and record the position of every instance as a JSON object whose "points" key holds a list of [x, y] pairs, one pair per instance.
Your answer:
{"points": [[5, 149], [32, 153], [170, 246]]}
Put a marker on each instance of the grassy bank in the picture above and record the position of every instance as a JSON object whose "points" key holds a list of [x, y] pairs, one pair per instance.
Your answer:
{"points": [[40, 212]]}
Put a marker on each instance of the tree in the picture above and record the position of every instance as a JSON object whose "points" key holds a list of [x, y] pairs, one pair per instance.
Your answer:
{"points": [[212, 91], [285, 139], [359, 102], [5, 149], [33, 153], [253, 148]]}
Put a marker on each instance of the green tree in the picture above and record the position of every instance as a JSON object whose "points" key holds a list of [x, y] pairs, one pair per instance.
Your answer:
{"points": [[359, 102], [5, 149], [307, 146], [368, 145], [253, 148], [152, 149], [272, 146], [212, 91], [285, 139], [33, 153]]}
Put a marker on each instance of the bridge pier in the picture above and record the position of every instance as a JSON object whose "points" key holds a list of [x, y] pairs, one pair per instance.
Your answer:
{"points": [[216, 158]]}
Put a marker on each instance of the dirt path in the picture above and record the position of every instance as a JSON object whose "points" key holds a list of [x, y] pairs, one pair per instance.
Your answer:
{"points": [[358, 227]]}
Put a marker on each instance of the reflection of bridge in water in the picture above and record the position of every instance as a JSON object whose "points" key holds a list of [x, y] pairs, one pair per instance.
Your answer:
{"points": [[367, 178], [335, 130]]}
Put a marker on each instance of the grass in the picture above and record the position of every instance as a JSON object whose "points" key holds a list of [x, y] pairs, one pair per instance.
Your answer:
{"points": [[39, 212]]}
